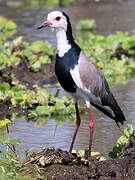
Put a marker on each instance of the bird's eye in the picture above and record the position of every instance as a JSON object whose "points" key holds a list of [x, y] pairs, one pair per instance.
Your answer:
{"points": [[57, 18]]}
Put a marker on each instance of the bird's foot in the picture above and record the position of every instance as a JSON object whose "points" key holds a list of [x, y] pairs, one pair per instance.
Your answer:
{"points": [[71, 155]]}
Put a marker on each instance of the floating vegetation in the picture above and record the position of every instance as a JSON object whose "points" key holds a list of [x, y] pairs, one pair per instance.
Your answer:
{"points": [[86, 25], [39, 103], [114, 55], [36, 54], [44, 3], [7, 28]]}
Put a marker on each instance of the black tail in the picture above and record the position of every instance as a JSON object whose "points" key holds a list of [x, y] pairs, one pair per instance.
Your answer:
{"points": [[112, 103], [119, 116]]}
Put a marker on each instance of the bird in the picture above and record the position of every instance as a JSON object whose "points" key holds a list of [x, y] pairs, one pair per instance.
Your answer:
{"points": [[80, 77]]}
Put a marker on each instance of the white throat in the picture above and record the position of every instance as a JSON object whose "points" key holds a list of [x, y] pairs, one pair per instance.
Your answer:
{"points": [[62, 43]]}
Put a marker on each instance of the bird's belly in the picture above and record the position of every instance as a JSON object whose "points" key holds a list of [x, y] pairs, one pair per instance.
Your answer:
{"points": [[85, 95]]}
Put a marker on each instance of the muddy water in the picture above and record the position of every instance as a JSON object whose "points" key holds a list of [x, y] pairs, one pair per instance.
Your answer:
{"points": [[110, 17]]}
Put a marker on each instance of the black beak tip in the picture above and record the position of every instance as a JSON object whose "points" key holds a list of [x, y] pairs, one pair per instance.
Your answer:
{"points": [[40, 27]]}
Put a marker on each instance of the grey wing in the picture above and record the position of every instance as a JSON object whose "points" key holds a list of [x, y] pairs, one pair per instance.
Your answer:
{"points": [[96, 85], [89, 78]]}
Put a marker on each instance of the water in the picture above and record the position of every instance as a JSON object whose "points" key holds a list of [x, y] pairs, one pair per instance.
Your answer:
{"points": [[110, 18], [106, 132]]}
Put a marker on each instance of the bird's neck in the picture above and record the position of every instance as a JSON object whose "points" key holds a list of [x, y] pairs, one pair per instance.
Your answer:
{"points": [[63, 42]]}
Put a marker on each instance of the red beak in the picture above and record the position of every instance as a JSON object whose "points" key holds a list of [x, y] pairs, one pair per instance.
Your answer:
{"points": [[44, 24]]}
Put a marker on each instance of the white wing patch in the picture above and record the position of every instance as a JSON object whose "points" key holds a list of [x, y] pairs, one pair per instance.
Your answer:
{"points": [[76, 76]]}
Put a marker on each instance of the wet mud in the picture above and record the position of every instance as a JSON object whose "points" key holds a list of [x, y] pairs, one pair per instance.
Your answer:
{"points": [[56, 164], [24, 75]]}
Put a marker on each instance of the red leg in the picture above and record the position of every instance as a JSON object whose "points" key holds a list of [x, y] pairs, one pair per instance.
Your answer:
{"points": [[78, 121], [91, 125]]}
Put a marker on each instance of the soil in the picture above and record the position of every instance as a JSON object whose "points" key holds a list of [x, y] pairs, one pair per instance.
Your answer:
{"points": [[24, 75], [56, 164]]}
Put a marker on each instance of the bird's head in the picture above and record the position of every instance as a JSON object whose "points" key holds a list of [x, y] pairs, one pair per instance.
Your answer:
{"points": [[56, 20]]}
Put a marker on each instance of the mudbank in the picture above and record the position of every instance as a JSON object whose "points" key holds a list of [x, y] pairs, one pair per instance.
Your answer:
{"points": [[55, 164]]}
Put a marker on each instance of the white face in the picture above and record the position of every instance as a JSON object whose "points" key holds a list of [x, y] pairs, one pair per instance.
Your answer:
{"points": [[58, 20]]}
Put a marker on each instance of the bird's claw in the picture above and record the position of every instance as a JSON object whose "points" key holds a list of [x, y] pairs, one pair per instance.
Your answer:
{"points": [[71, 155]]}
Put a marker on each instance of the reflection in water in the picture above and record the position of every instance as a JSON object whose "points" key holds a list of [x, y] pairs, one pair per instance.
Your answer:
{"points": [[109, 17]]}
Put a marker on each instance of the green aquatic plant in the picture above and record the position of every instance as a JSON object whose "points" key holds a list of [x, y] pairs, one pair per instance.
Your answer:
{"points": [[44, 3], [111, 55], [39, 103], [82, 155], [36, 54], [9, 160], [121, 142], [66, 2], [14, 3], [56, 106], [10, 145], [86, 25], [7, 28]]}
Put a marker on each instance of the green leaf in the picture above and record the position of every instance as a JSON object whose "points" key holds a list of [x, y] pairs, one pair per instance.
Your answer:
{"points": [[43, 110], [5, 153], [60, 108], [4, 122], [45, 60], [51, 3], [15, 142], [33, 3], [86, 24], [4, 87], [14, 3], [126, 133], [36, 67], [122, 141], [81, 153], [102, 158]]}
